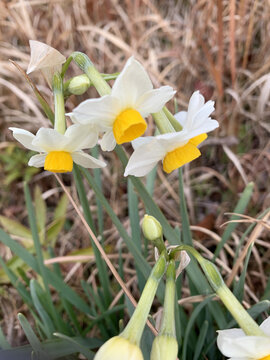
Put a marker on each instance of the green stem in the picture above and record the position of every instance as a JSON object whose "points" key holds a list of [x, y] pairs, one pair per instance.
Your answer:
{"points": [[244, 320], [168, 321], [94, 76], [242, 317], [59, 104], [163, 123], [134, 329], [176, 125]]}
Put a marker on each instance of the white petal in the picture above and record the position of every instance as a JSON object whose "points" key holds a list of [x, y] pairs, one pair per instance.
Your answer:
{"points": [[86, 160], [37, 160], [25, 138], [43, 56], [141, 141], [234, 343], [81, 137], [144, 159], [203, 113], [181, 117], [108, 142], [50, 140], [101, 111], [171, 141], [195, 103], [131, 83], [154, 100], [265, 326]]}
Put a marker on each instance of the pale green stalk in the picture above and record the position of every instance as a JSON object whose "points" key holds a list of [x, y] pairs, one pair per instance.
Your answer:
{"points": [[168, 320], [59, 104], [134, 329], [242, 317], [163, 123], [94, 76], [177, 126]]}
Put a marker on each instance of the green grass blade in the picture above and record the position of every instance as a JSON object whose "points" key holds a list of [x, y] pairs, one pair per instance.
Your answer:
{"points": [[186, 233], [63, 289], [102, 271], [31, 336], [134, 217], [4, 344], [46, 320], [191, 322], [80, 348], [239, 209], [39, 254], [201, 340], [139, 259]]}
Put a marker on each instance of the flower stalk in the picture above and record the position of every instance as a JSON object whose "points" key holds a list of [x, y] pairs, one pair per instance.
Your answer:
{"points": [[59, 104], [242, 317], [86, 65], [134, 329], [165, 344]]}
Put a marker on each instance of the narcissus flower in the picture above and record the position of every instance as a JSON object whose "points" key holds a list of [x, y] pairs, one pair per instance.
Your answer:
{"points": [[178, 148], [58, 151], [119, 348], [234, 344], [122, 112], [45, 58]]}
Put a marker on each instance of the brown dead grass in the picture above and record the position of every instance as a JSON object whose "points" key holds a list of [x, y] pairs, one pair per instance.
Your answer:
{"points": [[221, 48]]}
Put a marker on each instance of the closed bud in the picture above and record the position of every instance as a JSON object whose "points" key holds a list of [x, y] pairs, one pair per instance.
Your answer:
{"points": [[78, 85], [151, 228], [164, 347], [119, 348]]}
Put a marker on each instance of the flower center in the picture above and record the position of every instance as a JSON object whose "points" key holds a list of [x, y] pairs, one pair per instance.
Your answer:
{"points": [[128, 125], [265, 358], [58, 162], [183, 154]]}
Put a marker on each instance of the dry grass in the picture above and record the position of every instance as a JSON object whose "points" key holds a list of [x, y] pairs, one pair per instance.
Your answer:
{"points": [[221, 48]]}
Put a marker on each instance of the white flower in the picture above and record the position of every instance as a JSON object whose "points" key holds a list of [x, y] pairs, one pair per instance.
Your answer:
{"points": [[119, 348], [57, 151], [234, 344], [45, 58], [174, 149], [122, 113]]}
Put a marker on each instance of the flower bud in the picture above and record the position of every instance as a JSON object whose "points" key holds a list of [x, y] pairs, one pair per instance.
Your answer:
{"points": [[78, 85], [164, 347], [151, 228], [119, 348]]}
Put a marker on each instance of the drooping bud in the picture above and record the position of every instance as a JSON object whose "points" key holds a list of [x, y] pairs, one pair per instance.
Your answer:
{"points": [[78, 85], [119, 348], [151, 228]]}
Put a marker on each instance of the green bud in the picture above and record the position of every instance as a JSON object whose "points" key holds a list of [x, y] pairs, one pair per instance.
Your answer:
{"points": [[151, 228], [164, 347], [79, 84], [212, 274]]}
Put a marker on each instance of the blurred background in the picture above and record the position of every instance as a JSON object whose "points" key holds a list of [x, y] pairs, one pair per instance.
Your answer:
{"points": [[221, 48]]}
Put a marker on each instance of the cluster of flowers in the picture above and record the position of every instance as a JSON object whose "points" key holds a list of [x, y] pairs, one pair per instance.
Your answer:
{"points": [[119, 117]]}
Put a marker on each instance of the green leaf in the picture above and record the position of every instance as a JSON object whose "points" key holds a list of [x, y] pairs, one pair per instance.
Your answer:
{"points": [[239, 209], [40, 210], [15, 228]]}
